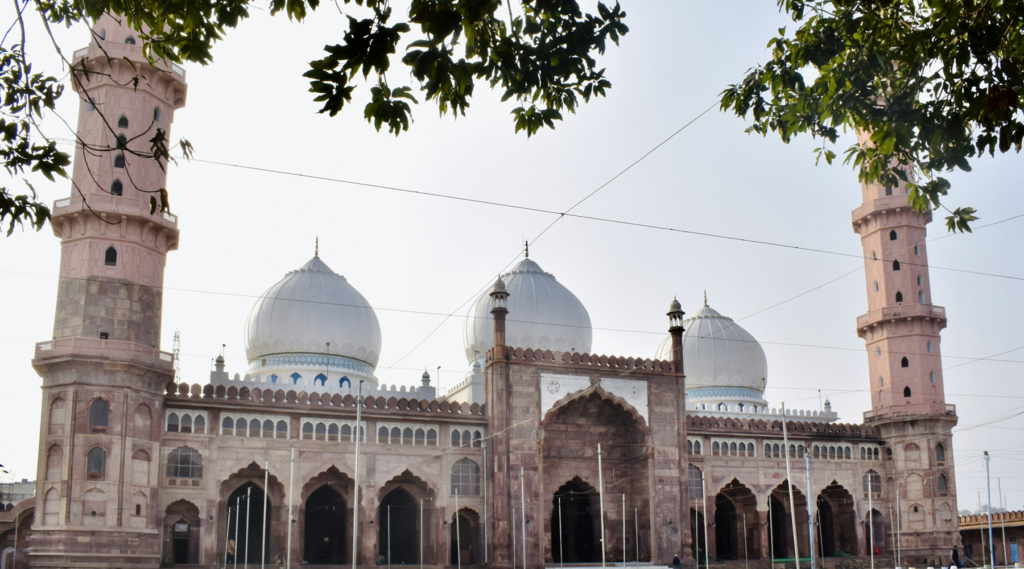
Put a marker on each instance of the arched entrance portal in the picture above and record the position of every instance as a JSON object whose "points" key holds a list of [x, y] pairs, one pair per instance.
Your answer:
{"points": [[697, 537], [464, 532], [181, 523], [836, 522], [876, 535], [246, 505], [575, 525], [736, 534], [398, 533], [325, 517], [782, 523]]}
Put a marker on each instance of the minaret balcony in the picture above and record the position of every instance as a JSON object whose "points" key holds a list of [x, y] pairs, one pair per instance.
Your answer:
{"points": [[113, 350], [900, 312], [887, 204]]}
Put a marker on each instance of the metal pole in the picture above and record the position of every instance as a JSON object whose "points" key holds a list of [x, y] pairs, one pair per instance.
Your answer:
{"points": [[248, 501], [513, 538], [485, 508], [14, 558], [789, 485], [561, 556], [458, 538], [600, 482], [522, 499], [227, 536], [899, 527], [746, 561], [771, 530], [238, 507], [821, 539], [291, 486], [871, 518], [389, 536], [1002, 522], [988, 485], [893, 532], [355, 502], [421, 534], [704, 499], [981, 527], [810, 518], [623, 529], [636, 536], [266, 481]]}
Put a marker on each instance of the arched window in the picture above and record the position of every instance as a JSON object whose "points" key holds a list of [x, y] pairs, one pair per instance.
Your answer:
{"points": [[268, 428], [816, 452], [102, 34], [940, 454], [419, 438], [931, 376], [929, 346], [881, 381], [832, 453], [96, 464], [407, 436], [696, 488], [91, 105], [878, 351], [321, 432], [696, 448], [899, 296], [920, 296], [186, 423], [876, 286], [943, 485], [892, 235], [346, 433], [888, 454], [227, 426], [332, 433], [382, 435], [876, 454], [847, 454], [307, 431], [917, 249], [157, 115], [767, 450], [732, 449], [254, 428], [800, 451], [185, 462], [122, 141], [904, 362], [689, 447], [117, 188], [396, 436], [775, 451], [431, 437], [320, 379], [722, 407], [863, 453], [874, 257], [872, 483], [344, 381], [241, 428], [282, 430], [99, 416], [122, 122], [130, 40], [110, 257], [477, 439], [199, 426], [466, 478], [906, 391], [888, 191], [295, 378], [119, 161], [743, 449], [919, 280], [792, 450], [895, 265], [172, 423], [716, 449], [273, 378]]}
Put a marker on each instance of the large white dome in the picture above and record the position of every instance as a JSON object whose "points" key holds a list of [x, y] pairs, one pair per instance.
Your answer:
{"points": [[305, 310], [721, 360], [542, 314]]}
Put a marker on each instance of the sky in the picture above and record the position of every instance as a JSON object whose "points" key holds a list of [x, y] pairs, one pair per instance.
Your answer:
{"points": [[242, 230]]}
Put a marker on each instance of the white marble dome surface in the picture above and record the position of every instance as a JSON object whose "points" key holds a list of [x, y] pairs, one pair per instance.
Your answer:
{"points": [[542, 314], [309, 307], [720, 358]]}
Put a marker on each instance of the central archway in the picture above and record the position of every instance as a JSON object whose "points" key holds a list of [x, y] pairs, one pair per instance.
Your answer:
{"points": [[575, 523], [325, 521], [736, 522], [398, 533], [837, 531], [781, 522], [246, 506]]}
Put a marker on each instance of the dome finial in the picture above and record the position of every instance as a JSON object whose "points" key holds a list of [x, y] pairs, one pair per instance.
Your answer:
{"points": [[316, 252], [527, 248], [705, 297]]}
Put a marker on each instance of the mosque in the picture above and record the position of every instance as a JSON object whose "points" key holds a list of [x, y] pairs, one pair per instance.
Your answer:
{"points": [[544, 454]]}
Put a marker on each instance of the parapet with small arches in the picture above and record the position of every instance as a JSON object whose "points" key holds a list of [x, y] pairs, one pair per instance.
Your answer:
{"points": [[774, 425], [577, 360], [383, 399]]}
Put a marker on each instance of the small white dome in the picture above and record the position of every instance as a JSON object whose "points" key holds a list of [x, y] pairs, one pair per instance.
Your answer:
{"points": [[720, 358], [308, 308], [542, 314]]}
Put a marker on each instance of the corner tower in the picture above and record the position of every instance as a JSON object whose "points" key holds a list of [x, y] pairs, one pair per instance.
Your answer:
{"points": [[103, 372], [901, 331]]}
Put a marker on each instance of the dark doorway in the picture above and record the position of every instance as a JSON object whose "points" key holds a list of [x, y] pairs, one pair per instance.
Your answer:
{"points": [[574, 524], [398, 517], [181, 542], [181, 520], [697, 536], [463, 534], [876, 533], [725, 528], [780, 538], [837, 521], [826, 528], [246, 505], [326, 512]]}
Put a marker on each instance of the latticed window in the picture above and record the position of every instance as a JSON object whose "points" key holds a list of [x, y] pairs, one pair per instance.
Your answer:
{"points": [[466, 478], [940, 454], [99, 416], [696, 488], [943, 484], [873, 481], [282, 430], [185, 462], [96, 464], [172, 423]]}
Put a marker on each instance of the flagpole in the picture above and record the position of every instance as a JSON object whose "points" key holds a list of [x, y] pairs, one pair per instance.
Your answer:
{"points": [[248, 500], [458, 538], [600, 482], [266, 481], [789, 485], [355, 506], [238, 507], [291, 487], [227, 536]]}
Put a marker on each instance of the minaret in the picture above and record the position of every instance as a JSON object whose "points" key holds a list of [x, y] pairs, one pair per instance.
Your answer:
{"points": [[103, 373], [901, 331]]}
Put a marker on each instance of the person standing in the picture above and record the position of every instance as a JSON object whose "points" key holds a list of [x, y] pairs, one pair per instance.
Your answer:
{"points": [[676, 562], [231, 551]]}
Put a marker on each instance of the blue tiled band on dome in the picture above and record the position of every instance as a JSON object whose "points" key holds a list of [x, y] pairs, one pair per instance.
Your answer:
{"points": [[720, 392], [312, 360]]}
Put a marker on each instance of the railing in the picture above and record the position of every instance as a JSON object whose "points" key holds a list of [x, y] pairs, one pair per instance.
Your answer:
{"points": [[902, 311], [101, 348], [178, 69], [62, 203], [170, 217], [80, 52]]}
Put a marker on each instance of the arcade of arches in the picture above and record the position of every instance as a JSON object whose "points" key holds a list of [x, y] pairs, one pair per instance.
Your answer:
{"points": [[569, 452], [739, 524]]}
